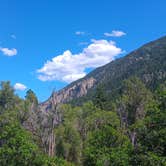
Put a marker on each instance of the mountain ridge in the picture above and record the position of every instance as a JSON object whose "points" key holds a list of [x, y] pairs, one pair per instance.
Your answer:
{"points": [[147, 62]]}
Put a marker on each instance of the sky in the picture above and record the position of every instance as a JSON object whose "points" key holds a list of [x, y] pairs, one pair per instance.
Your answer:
{"points": [[47, 44]]}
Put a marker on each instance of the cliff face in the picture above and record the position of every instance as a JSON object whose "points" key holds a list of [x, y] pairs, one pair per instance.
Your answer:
{"points": [[73, 91], [148, 63]]}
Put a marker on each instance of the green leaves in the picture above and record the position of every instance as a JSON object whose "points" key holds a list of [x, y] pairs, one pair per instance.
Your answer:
{"points": [[99, 99], [68, 140], [107, 145], [6, 97], [132, 132], [151, 147], [17, 147]]}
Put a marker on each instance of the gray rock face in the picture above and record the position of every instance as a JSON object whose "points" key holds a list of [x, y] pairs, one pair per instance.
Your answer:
{"points": [[74, 90]]}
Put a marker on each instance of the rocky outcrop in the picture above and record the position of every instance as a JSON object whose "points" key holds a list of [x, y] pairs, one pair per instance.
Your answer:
{"points": [[74, 90]]}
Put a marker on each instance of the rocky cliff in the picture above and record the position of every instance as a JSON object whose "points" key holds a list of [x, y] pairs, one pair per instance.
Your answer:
{"points": [[73, 91]]}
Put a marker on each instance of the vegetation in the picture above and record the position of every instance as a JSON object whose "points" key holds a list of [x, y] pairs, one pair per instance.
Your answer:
{"points": [[148, 63], [130, 130], [17, 145]]}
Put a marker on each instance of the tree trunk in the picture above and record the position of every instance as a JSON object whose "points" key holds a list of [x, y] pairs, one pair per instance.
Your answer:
{"points": [[133, 138]]}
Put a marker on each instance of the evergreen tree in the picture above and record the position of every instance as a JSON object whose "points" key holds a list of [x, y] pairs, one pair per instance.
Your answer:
{"points": [[99, 99], [7, 101], [31, 100]]}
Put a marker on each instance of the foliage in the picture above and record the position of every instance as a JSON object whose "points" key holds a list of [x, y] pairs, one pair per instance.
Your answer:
{"points": [[152, 135], [17, 146], [68, 141], [7, 100], [131, 132], [99, 99], [105, 146], [30, 95]]}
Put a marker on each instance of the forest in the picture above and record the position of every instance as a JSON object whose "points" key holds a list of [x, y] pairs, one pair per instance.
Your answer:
{"points": [[129, 130]]}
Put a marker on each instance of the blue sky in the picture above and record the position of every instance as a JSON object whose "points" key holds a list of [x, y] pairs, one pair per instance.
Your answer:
{"points": [[45, 44]]}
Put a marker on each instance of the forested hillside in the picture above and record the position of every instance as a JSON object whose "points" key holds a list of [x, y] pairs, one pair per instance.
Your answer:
{"points": [[148, 63]]}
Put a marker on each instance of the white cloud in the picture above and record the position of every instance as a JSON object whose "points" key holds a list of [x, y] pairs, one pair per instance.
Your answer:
{"points": [[13, 36], [80, 33], [8, 52], [69, 67], [19, 86], [115, 33]]}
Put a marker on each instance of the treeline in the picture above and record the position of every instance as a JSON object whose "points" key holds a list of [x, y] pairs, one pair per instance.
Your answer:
{"points": [[18, 145], [130, 130]]}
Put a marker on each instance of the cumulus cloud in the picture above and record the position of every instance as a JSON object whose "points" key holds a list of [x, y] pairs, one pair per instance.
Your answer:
{"points": [[8, 52], [69, 67], [115, 33], [80, 33], [19, 86]]}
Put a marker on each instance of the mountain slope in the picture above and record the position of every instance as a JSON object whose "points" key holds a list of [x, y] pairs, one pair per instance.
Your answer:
{"points": [[148, 63]]}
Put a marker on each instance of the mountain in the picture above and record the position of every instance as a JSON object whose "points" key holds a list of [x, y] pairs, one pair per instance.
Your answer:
{"points": [[148, 63]]}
